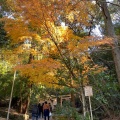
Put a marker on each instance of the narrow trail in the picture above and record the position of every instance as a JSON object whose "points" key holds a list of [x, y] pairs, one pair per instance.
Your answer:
{"points": [[29, 119], [38, 119]]}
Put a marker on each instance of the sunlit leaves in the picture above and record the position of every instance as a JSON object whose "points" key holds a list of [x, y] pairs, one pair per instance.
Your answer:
{"points": [[42, 71], [16, 29], [40, 20], [4, 67]]}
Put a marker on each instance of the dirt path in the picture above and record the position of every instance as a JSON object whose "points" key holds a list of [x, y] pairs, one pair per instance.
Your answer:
{"points": [[2, 118], [29, 119], [39, 119]]}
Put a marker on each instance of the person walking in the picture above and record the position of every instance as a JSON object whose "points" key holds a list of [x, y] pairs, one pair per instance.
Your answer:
{"points": [[35, 112], [40, 114], [50, 112], [46, 110], [42, 110], [50, 107]]}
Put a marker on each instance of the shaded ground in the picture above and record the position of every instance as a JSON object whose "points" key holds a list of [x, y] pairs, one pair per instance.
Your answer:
{"points": [[113, 119], [39, 119], [3, 118], [15, 113], [29, 119]]}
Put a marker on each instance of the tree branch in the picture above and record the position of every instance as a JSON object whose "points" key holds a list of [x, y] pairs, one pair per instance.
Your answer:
{"points": [[114, 4]]}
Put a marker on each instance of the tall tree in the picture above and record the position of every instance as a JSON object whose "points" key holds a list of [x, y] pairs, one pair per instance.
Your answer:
{"points": [[111, 33]]}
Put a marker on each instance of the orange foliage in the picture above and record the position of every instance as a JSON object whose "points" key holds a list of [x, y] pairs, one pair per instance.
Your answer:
{"points": [[42, 72], [40, 20]]}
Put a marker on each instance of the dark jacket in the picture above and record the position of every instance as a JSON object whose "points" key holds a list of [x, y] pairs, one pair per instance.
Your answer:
{"points": [[35, 109]]}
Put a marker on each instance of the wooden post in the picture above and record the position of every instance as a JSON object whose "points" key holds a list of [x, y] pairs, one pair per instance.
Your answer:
{"points": [[11, 95], [90, 108]]}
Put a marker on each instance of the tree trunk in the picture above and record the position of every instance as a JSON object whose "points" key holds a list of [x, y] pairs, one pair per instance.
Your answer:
{"points": [[72, 99], [83, 102], [28, 100], [111, 33], [20, 105], [31, 57]]}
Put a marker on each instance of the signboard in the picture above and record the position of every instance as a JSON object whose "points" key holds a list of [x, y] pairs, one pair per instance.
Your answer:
{"points": [[88, 91]]}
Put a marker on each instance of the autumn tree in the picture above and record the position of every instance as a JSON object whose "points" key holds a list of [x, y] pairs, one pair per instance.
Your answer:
{"points": [[63, 49]]}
